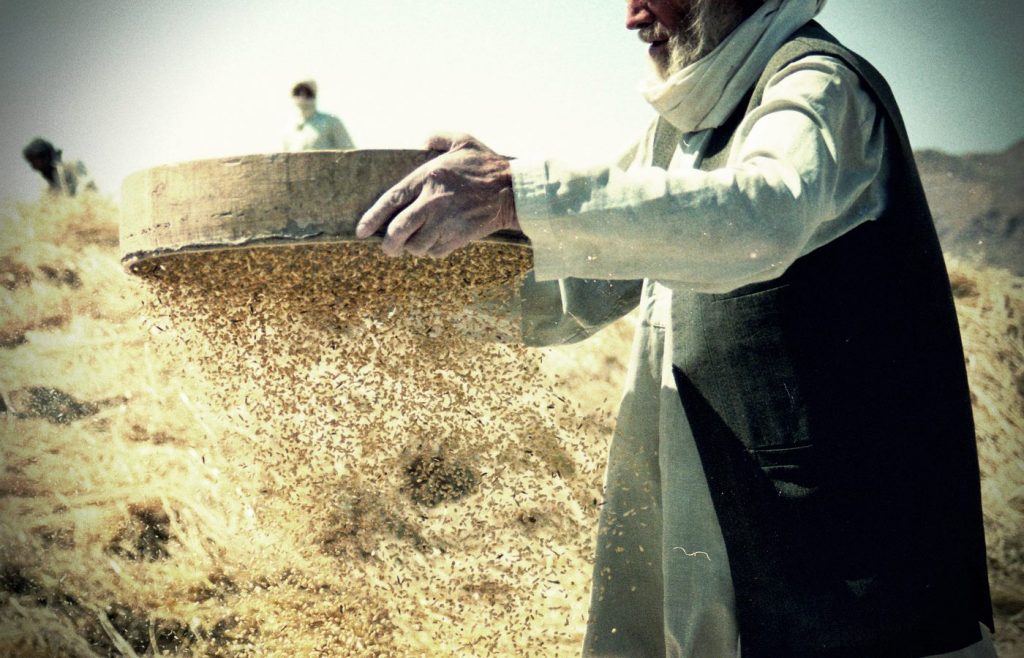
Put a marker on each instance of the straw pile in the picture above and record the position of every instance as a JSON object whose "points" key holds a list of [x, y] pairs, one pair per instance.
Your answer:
{"points": [[303, 451], [315, 451], [990, 304]]}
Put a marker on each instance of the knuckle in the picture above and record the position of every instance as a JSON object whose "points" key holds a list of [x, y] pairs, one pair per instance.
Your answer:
{"points": [[397, 196]]}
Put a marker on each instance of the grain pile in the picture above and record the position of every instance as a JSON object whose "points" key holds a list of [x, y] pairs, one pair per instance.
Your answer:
{"points": [[267, 453]]}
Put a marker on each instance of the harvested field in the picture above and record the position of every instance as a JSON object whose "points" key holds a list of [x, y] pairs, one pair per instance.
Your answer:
{"points": [[279, 453]]}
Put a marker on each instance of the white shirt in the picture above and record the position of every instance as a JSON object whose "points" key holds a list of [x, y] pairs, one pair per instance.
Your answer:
{"points": [[320, 131], [805, 167]]}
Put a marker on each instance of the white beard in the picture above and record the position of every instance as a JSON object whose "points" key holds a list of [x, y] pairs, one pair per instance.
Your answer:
{"points": [[710, 22]]}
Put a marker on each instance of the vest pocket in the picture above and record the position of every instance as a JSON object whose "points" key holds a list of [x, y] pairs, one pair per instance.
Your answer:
{"points": [[751, 378], [791, 470]]}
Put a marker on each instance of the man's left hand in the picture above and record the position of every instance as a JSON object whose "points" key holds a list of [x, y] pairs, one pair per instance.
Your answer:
{"points": [[462, 195]]}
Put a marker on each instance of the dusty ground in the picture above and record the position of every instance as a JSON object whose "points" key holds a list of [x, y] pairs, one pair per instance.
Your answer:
{"points": [[165, 491]]}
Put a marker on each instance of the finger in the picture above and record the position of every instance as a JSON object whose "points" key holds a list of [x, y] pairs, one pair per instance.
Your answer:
{"points": [[420, 246], [405, 224], [433, 229], [458, 236], [444, 249], [391, 203]]}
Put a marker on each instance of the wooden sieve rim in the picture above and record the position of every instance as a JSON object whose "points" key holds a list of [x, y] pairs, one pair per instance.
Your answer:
{"points": [[262, 200]]}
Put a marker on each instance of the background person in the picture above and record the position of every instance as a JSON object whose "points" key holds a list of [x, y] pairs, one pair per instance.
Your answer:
{"points": [[793, 471], [313, 130], [62, 178]]}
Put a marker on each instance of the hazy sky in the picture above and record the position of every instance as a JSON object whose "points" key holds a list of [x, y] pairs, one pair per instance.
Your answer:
{"points": [[127, 85]]}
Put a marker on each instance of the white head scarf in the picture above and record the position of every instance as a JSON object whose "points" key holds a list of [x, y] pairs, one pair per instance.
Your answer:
{"points": [[704, 94]]}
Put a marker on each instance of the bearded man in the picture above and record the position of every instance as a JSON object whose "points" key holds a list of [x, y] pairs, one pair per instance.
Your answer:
{"points": [[793, 471]]}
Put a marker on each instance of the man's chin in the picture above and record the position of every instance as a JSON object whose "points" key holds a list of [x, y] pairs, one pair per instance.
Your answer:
{"points": [[659, 65], [664, 57]]}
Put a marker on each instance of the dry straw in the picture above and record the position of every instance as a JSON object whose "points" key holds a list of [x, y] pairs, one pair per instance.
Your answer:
{"points": [[295, 451], [318, 451]]}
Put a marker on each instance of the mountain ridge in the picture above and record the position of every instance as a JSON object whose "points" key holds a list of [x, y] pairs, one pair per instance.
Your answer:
{"points": [[977, 201]]}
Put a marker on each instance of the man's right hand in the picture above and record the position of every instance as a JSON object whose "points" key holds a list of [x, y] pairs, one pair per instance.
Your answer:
{"points": [[462, 195]]}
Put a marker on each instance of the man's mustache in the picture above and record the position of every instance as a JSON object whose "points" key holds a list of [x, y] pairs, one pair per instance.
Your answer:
{"points": [[653, 33]]}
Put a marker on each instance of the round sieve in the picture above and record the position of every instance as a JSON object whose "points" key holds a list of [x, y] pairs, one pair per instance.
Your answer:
{"points": [[259, 200]]}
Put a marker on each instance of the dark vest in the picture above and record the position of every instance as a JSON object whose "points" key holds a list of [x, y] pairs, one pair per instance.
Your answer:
{"points": [[833, 419]]}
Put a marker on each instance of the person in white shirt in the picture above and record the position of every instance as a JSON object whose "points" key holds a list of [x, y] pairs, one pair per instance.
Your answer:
{"points": [[312, 129], [793, 470]]}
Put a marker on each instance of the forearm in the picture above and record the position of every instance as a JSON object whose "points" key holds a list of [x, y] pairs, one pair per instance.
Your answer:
{"points": [[708, 229]]}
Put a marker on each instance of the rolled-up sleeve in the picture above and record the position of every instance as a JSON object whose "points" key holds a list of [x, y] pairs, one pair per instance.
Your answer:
{"points": [[804, 168]]}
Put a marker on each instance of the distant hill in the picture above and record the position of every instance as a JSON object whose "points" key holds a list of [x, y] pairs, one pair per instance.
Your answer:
{"points": [[978, 203]]}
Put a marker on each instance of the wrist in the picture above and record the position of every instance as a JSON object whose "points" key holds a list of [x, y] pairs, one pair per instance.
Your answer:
{"points": [[508, 220]]}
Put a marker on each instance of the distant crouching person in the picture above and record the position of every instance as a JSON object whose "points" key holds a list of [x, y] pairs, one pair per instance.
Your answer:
{"points": [[64, 178]]}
